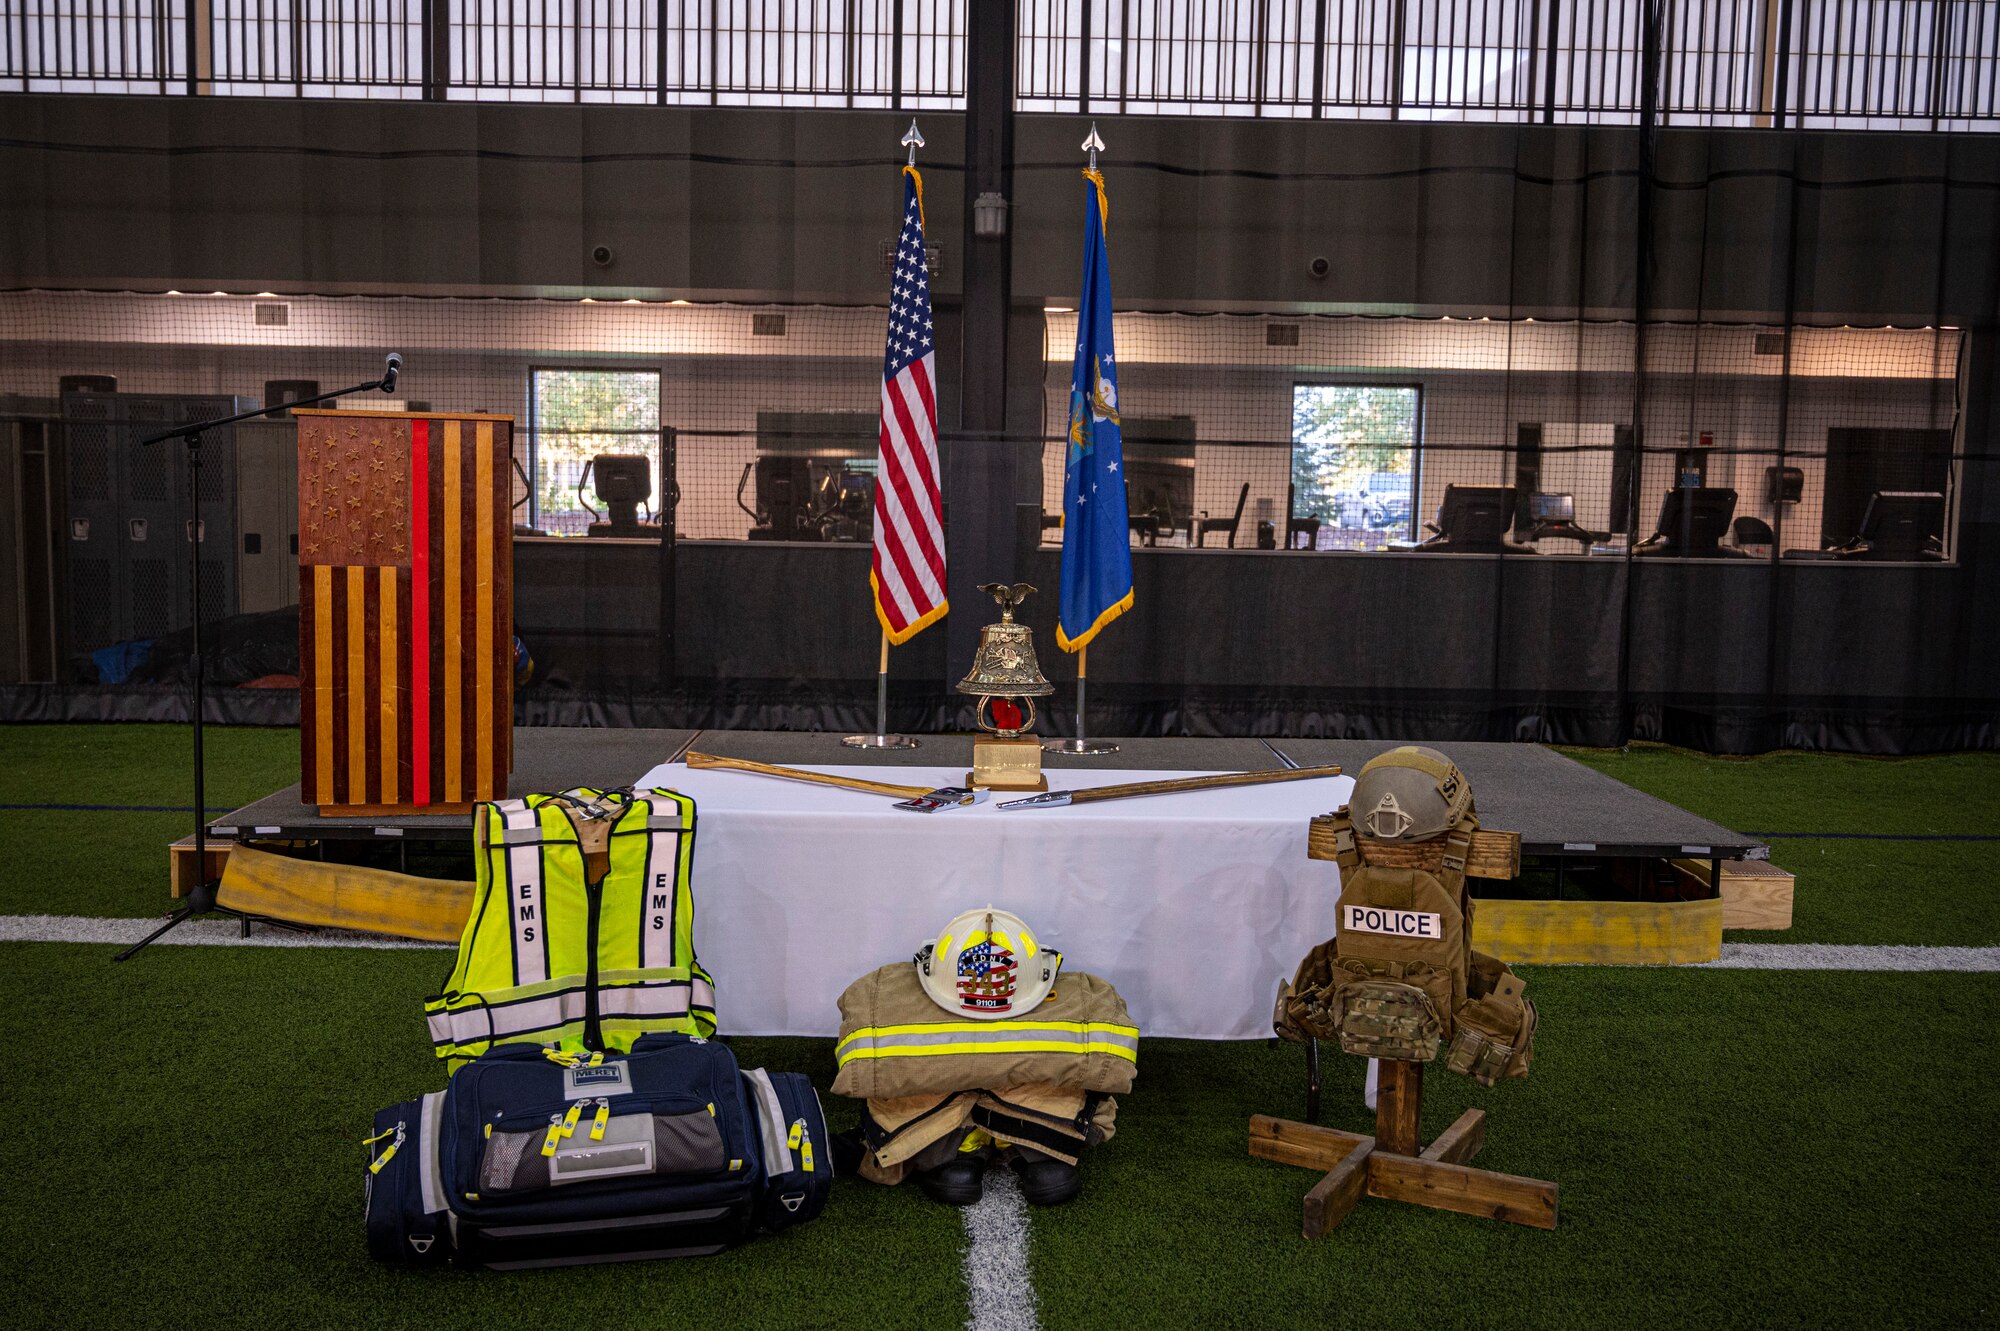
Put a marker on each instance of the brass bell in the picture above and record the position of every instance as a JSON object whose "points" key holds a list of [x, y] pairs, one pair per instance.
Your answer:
{"points": [[1005, 667]]}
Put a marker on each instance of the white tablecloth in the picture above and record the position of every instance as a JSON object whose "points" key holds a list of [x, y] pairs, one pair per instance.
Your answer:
{"points": [[1193, 905]]}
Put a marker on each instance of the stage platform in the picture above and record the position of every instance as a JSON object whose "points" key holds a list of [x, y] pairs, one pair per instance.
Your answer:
{"points": [[1560, 807]]}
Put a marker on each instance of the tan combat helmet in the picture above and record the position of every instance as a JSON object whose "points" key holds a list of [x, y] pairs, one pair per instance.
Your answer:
{"points": [[1408, 794]]}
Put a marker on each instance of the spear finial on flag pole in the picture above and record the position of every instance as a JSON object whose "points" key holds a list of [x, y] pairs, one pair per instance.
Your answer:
{"points": [[913, 140], [1092, 145]]}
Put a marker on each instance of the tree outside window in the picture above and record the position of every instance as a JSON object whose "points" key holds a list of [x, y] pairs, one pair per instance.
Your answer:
{"points": [[577, 415], [1354, 452]]}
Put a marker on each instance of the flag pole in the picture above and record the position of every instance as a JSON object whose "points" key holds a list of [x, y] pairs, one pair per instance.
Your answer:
{"points": [[1082, 743], [882, 739]]}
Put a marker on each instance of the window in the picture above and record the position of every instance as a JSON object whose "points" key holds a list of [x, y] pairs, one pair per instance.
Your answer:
{"points": [[1354, 463], [576, 415]]}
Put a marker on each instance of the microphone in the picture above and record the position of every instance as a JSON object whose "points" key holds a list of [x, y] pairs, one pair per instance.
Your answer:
{"points": [[393, 368]]}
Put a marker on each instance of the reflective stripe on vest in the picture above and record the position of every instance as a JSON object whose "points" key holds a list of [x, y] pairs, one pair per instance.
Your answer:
{"points": [[521, 834], [527, 978], [990, 1037], [530, 1016]]}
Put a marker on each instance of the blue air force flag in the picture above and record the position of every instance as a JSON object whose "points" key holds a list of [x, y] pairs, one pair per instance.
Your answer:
{"points": [[1097, 545]]}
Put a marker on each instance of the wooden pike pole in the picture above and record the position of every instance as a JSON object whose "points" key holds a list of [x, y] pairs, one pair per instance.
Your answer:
{"points": [[800, 774], [1169, 786]]}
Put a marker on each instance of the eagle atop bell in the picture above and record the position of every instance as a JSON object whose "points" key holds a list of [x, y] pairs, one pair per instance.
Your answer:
{"points": [[1004, 669]]}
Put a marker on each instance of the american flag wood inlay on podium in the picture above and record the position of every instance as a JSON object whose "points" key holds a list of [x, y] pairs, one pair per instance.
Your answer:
{"points": [[406, 610]]}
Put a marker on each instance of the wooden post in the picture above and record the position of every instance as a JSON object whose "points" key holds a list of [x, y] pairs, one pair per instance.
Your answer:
{"points": [[1399, 1096]]}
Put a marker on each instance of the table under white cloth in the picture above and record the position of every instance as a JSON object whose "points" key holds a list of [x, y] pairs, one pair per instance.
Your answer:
{"points": [[1194, 905]]}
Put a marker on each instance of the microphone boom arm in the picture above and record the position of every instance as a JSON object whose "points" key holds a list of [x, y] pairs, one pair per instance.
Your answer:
{"points": [[190, 431]]}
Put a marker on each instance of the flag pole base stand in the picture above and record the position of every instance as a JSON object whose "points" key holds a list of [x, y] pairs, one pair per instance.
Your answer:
{"points": [[879, 741], [1390, 1163], [1078, 746]]}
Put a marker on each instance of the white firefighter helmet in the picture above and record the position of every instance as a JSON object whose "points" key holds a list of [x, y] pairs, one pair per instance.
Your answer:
{"points": [[987, 964]]}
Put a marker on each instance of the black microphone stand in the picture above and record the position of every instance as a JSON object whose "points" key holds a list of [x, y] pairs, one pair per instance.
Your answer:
{"points": [[201, 900]]}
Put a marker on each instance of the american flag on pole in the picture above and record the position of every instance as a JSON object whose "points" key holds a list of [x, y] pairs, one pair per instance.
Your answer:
{"points": [[908, 574]]}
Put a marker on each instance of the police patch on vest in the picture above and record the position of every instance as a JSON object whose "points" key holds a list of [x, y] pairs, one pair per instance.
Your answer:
{"points": [[604, 1079], [1395, 923]]}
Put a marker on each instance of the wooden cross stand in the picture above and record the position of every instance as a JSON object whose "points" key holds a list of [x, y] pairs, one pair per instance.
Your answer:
{"points": [[1394, 1163], [1390, 1163]]}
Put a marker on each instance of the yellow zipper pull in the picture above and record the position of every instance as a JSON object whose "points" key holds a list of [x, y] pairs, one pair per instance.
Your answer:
{"points": [[555, 1135], [569, 1119], [603, 1117], [375, 1165], [802, 1142]]}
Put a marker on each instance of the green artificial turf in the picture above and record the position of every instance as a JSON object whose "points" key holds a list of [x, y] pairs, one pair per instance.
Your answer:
{"points": [[1733, 1148], [1934, 893], [1803, 793], [143, 764], [186, 1147], [1850, 889], [73, 862]]}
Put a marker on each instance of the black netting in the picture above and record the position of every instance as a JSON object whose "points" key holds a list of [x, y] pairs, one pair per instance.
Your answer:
{"points": [[1621, 432]]}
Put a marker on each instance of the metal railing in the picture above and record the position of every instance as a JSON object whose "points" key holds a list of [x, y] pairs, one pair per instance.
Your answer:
{"points": [[1890, 64]]}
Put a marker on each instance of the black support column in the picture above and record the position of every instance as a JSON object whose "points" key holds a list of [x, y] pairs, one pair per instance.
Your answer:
{"points": [[979, 466]]}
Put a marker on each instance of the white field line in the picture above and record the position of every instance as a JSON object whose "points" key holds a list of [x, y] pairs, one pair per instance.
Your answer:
{"points": [[1853, 957], [1000, 1296], [214, 932]]}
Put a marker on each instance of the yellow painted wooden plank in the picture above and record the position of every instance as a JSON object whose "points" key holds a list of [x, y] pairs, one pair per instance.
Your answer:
{"points": [[322, 700], [482, 651], [390, 751], [344, 896], [454, 644], [357, 685], [1604, 933]]}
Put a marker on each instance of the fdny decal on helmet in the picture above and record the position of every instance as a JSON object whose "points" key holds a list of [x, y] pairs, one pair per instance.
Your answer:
{"points": [[986, 977]]}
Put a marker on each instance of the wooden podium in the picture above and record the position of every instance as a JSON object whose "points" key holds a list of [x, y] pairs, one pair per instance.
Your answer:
{"points": [[406, 610]]}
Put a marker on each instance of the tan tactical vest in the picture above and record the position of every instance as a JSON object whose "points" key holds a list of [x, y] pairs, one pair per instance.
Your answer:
{"points": [[1399, 978]]}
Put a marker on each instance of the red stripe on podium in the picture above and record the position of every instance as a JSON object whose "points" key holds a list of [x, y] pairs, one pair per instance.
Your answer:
{"points": [[420, 611]]}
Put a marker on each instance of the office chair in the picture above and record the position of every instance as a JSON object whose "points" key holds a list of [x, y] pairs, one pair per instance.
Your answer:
{"points": [[1205, 524]]}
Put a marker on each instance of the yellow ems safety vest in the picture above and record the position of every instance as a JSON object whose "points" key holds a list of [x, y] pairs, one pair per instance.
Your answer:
{"points": [[552, 957]]}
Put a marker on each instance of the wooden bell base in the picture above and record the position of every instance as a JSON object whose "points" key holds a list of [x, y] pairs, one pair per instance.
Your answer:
{"points": [[1036, 787], [1390, 1164]]}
